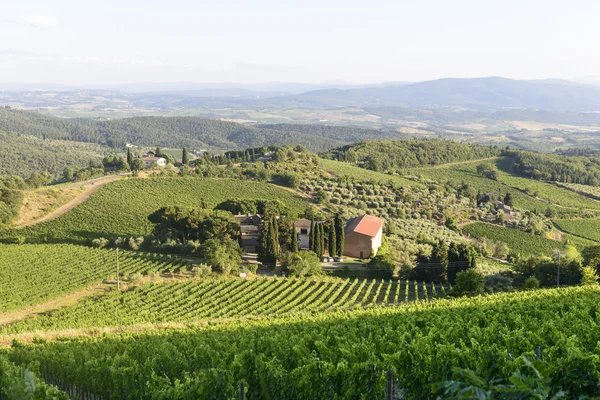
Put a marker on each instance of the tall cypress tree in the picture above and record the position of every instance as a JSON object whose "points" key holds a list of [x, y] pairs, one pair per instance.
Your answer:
{"points": [[339, 234], [319, 240], [311, 237], [294, 244], [185, 157], [332, 241], [265, 241], [275, 249], [129, 156]]}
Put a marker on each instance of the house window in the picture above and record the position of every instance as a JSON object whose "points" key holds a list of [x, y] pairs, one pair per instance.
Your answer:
{"points": [[304, 231]]}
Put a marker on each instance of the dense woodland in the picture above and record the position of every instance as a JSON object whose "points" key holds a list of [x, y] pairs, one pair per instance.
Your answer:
{"points": [[556, 168], [385, 155], [192, 132]]}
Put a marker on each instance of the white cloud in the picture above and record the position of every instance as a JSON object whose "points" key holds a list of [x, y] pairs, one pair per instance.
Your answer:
{"points": [[37, 21]]}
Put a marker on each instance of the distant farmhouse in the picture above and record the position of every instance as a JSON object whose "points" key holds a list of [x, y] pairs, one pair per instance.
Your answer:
{"points": [[363, 236], [302, 227], [249, 232], [150, 159]]}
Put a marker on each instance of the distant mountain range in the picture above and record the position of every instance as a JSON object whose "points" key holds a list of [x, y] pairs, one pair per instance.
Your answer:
{"points": [[473, 93]]}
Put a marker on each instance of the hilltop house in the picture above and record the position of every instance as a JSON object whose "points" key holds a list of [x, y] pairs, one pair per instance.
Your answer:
{"points": [[363, 236], [249, 232], [149, 159], [302, 227]]}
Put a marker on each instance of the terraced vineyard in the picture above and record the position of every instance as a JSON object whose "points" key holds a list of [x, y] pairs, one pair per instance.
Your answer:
{"points": [[590, 191], [32, 274], [228, 298], [364, 175], [122, 208], [587, 228], [343, 354]]}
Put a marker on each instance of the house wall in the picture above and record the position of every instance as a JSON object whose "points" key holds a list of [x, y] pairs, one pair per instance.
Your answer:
{"points": [[376, 241], [355, 243]]}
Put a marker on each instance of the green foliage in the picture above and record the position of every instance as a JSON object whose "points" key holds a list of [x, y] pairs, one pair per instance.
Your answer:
{"points": [[23, 155], [32, 274], [223, 255], [20, 383], [302, 263], [215, 297], [557, 168], [531, 283], [522, 243], [338, 226], [468, 283], [587, 228], [387, 155], [355, 349], [589, 276]]}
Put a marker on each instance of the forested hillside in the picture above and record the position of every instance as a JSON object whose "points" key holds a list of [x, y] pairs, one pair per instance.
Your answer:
{"points": [[24, 155], [192, 132], [384, 155]]}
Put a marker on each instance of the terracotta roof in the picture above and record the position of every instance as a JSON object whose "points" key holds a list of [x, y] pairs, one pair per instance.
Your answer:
{"points": [[152, 158], [366, 225]]}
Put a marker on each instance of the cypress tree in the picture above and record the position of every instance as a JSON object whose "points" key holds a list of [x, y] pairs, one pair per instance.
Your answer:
{"points": [[253, 155], [185, 157], [294, 246], [319, 240], [339, 234], [332, 241], [274, 239], [311, 237], [129, 156]]}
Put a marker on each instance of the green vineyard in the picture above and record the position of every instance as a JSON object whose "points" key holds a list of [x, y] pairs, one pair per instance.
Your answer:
{"points": [[340, 354], [122, 208], [192, 300], [32, 274]]}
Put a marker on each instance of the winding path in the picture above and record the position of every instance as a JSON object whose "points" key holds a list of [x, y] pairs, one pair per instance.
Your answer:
{"points": [[90, 187]]}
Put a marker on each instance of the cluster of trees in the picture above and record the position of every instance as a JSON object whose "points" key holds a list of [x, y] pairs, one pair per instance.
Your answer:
{"points": [[556, 168], [488, 171], [259, 206], [327, 236], [567, 266], [387, 155]]}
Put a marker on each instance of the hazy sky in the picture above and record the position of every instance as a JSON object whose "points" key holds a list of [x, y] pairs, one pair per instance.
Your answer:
{"points": [[85, 42]]}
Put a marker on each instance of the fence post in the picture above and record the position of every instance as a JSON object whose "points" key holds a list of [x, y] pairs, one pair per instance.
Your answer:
{"points": [[242, 395], [389, 387]]}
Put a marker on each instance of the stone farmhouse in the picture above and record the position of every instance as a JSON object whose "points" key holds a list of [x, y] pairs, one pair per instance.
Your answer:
{"points": [[149, 159], [363, 236]]}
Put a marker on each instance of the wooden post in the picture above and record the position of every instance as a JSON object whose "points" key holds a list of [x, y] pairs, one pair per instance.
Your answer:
{"points": [[117, 268], [389, 387], [242, 395]]}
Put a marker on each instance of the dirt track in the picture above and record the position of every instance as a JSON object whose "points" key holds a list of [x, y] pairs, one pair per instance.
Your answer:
{"points": [[90, 187]]}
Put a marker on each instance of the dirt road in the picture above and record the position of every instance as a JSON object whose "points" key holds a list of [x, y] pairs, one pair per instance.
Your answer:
{"points": [[90, 187]]}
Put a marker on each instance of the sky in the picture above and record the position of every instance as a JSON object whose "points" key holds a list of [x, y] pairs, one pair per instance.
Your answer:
{"points": [[249, 41]]}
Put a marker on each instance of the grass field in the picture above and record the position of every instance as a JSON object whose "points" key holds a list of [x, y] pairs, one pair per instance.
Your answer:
{"points": [[361, 174], [31, 274], [210, 299], [122, 208]]}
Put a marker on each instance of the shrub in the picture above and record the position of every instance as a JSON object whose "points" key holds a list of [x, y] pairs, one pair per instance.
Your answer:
{"points": [[468, 283], [201, 270], [100, 243], [531, 283], [135, 277], [589, 277], [302, 263]]}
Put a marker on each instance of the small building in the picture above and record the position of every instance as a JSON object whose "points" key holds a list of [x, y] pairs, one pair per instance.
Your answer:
{"points": [[363, 236], [249, 232], [302, 227], [150, 159]]}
